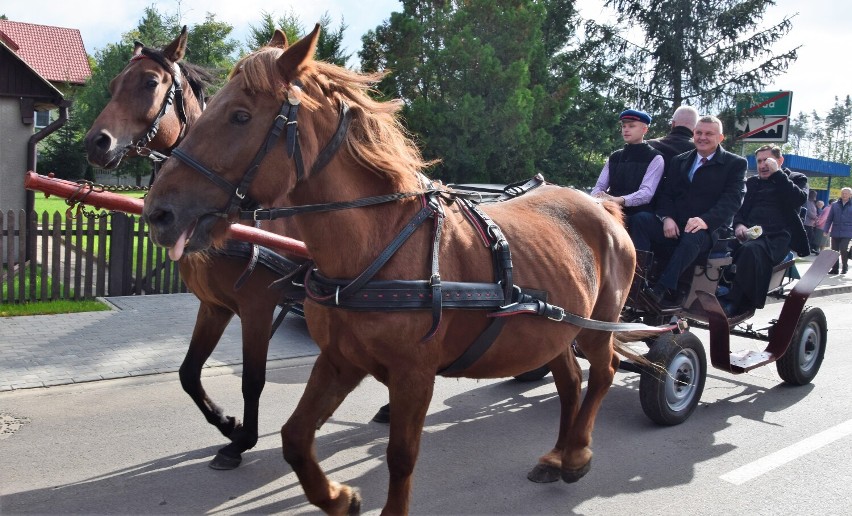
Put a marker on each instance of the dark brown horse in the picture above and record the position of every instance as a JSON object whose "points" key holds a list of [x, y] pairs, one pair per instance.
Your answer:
{"points": [[154, 102], [347, 170]]}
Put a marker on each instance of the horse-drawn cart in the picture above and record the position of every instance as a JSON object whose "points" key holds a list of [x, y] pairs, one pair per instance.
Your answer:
{"points": [[796, 339], [670, 390]]}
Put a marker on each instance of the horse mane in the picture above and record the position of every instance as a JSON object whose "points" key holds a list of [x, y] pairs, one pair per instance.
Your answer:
{"points": [[198, 77], [376, 137]]}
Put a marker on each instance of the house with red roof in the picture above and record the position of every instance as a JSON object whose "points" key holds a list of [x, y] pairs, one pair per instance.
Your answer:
{"points": [[39, 65]]}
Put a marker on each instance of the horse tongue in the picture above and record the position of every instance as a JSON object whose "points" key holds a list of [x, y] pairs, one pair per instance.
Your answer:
{"points": [[176, 251]]}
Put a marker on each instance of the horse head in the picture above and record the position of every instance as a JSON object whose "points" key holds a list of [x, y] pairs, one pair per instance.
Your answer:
{"points": [[281, 119], [149, 109]]}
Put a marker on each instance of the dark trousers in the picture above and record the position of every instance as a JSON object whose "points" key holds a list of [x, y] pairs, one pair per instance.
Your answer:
{"points": [[754, 260], [812, 238], [841, 244], [646, 231]]}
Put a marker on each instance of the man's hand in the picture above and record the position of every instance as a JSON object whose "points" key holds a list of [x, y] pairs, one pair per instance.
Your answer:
{"points": [[694, 225], [607, 197], [670, 229], [740, 232]]}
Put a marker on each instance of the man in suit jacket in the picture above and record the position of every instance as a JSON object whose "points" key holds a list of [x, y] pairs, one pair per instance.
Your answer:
{"points": [[702, 190], [773, 200]]}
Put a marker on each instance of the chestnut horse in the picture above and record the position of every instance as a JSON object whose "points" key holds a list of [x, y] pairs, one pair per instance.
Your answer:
{"points": [[364, 199], [146, 116]]}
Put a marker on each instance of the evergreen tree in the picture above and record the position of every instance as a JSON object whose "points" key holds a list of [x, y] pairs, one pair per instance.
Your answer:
{"points": [[329, 44], [207, 45], [699, 52], [486, 84]]}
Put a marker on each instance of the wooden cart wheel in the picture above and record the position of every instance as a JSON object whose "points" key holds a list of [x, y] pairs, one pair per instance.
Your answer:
{"points": [[669, 396], [801, 363]]}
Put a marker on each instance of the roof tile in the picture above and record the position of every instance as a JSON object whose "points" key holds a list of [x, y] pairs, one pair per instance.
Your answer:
{"points": [[56, 53]]}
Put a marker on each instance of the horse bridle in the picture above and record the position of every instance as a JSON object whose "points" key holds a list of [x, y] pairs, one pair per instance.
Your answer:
{"points": [[286, 122], [173, 96]]}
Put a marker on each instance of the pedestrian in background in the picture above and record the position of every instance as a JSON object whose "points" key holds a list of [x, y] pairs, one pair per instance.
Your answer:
{"points": [[838, 224], [811, 217]]}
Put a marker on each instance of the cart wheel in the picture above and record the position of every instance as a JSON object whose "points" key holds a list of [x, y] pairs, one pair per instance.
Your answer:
{"points": [[534, 375], [669, 397], [801, 363]]}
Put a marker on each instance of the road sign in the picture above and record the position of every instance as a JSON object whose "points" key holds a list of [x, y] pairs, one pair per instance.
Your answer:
{"points": [[767, 103], [764, 116], [764, 129]]}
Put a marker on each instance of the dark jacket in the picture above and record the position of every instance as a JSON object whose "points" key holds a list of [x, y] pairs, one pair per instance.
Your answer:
{"points": [[715, 193], [791, 189], [678, 141]]}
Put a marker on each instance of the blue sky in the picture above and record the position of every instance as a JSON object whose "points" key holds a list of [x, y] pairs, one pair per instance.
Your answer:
{"points": [[817, 77]]}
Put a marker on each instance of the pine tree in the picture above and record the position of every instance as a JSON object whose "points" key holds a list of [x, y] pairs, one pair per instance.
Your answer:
{"points": [[700, 52]]}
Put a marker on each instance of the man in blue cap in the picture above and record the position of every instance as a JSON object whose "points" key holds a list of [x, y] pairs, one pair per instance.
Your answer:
{"points": [[632, 173]]}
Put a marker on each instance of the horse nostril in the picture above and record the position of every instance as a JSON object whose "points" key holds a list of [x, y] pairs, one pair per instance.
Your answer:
{"points": [[160, 217], [103, 141]]}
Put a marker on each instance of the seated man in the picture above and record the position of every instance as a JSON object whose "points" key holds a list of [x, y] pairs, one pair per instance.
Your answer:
{"points": [[701, 192], [772, 201], [631, 174]]}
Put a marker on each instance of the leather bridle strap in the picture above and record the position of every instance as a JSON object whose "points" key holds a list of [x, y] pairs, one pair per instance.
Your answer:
{"points": [[278, 213], [173, 96]]}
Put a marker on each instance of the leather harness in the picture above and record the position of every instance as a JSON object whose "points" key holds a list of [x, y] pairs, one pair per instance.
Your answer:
{"points": [[502, 297]]}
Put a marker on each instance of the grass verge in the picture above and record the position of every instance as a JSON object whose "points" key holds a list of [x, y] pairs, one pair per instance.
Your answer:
{"points": [[51, 307]]}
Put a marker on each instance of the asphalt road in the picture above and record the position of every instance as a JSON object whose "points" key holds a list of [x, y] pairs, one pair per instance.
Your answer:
{"points": [[139, 446]]}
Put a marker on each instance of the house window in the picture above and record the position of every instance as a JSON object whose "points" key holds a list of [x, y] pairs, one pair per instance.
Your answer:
{"points": [[42, 119]]}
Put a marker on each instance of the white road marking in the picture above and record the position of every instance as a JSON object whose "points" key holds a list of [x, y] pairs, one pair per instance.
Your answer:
{"points": [[766, 464]]}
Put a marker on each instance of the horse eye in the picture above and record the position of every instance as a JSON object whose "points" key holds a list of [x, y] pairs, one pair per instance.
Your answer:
{"points": [[151, 83], [241, 117]]}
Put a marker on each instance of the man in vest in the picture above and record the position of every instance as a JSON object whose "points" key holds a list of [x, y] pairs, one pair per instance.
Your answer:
{"points": [[632, 173]]}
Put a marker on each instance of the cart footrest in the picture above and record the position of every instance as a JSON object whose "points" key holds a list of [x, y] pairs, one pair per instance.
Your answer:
{"points": [[742, 361]]}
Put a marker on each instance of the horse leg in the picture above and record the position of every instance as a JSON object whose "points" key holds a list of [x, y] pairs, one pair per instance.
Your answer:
{"points": [[410, 394], [255, 332], [210, 324], [568, 378], [603, 362], [329, 384]]}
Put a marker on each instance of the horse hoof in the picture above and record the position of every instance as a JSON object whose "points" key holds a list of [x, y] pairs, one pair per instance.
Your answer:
{"points": [[542, 474], [572, 475], [223, 462], [383, 415], [355, 503]]}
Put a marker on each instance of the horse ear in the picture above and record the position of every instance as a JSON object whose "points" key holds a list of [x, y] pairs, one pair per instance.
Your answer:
{"points": [[296, 58], [137, 47], [175, 51], [279, 40]]}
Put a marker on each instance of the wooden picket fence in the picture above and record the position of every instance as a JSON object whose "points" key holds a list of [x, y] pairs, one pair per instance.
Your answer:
{"points": [[82, 256]]}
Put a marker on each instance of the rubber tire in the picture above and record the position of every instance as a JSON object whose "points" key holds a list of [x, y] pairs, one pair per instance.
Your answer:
{"points": [[684, 358], [803, 358], [534, 375]]}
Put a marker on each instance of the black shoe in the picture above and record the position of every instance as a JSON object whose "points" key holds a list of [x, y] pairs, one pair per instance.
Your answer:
{"points": [[662, 297], [833, 270]]}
